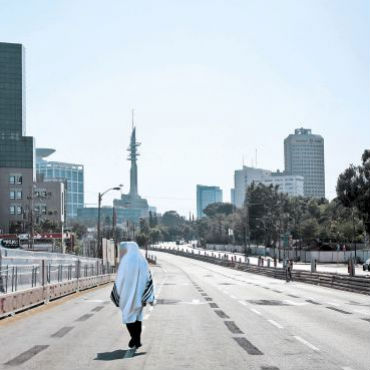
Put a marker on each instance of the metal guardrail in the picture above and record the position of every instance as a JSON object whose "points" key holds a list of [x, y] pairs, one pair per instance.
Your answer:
{"points": [[330, 280]]}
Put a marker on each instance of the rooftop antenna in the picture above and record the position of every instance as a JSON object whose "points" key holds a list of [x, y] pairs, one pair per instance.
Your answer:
{"points": [[243, 160], [133, 118], [256, 158]]}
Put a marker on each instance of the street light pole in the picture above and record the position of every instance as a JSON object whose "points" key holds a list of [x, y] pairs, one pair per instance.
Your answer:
{"points": [[100, 197], [99, 251]]}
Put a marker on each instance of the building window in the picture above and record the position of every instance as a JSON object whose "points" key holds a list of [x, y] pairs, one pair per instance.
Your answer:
{"points": [[18, 194], [12, 195], [19, 210], [15, 179], [12, 210]]}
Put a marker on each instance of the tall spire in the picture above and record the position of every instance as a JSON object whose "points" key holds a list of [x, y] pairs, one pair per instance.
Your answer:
{"points": [[133, 154]]}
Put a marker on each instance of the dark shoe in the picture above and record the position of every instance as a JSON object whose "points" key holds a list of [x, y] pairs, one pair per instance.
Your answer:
{"points": [[131, 344]]}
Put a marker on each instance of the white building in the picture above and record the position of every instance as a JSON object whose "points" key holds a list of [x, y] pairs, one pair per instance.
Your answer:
{"points": [[304, 156], [243, 179], [293, 185]]}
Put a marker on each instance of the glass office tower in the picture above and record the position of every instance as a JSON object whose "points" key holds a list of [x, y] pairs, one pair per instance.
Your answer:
{"points": [[69, 173], [207, 195], [16, 150]]}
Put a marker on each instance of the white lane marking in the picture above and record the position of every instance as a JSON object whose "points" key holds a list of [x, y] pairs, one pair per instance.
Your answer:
{"points": [[333, 304], [243, 303], [146, 317], [308, 344], [294, 303], [232, 296], [272, 322], [255, 311], [346, 368]]}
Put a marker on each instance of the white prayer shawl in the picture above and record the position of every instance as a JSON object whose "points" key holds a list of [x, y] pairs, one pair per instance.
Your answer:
{"points": [[133, 276]]}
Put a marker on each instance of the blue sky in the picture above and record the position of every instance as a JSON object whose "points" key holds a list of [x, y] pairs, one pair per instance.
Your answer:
{"points": [[211, 81]]}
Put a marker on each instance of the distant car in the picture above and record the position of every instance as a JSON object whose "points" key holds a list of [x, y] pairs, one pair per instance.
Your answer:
{"points": [[366, 265]]}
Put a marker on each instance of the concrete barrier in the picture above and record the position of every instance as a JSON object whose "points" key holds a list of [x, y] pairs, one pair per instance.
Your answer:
{"points": [[19, 301]]}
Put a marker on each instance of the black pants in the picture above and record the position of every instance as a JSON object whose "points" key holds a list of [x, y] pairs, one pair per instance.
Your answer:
{"points": [[134, 329]]}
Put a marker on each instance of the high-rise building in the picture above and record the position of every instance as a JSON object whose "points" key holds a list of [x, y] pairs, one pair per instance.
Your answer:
{"points": [[292, 185], [207, 195], [304, 156], [132, 204], [16, 149], [70, 173], [243, 179]]}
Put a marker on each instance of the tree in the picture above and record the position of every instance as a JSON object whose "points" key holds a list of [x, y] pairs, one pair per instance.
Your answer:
{"points": [[353, 188], [309, 229], [79, 229], [218, 208]]}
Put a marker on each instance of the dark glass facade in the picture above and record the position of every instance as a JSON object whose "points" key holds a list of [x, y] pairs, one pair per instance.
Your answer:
{"points": [[12, 102], [16, 150]]}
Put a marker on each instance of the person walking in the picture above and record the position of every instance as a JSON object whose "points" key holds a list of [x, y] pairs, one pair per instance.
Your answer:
{"points": [[133, 289], [288, 270]]}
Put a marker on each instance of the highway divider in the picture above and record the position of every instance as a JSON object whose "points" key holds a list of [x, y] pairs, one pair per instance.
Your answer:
{"points": [[336, 281]]}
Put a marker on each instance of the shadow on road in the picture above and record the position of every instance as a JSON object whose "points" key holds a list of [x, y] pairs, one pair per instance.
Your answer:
{"points": [[118, 354]]}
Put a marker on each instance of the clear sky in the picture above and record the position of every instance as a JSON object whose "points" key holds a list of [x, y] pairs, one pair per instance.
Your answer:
{"points": [[210, 80]]}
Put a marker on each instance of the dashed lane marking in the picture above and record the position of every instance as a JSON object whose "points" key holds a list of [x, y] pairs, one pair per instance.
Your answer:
{"points": [[305, 342], [84, 317], [272, 322], [25, 356], [247, 346], [62, 332], [233, 327], [232, 296], [97, 308], [222, 314], [339, 310], [293, 296]]}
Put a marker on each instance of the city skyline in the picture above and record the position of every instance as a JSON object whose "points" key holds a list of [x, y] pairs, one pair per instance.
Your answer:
{"points": [[224, 85]]}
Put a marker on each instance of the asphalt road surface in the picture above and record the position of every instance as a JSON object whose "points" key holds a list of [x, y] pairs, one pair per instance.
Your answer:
{"points": [[207, 317]]}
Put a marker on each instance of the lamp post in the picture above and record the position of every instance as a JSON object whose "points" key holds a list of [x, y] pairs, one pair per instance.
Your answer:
{"points": [[100, 197]]}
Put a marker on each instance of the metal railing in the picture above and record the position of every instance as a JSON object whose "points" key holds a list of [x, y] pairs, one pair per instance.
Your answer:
{"points": [[20, 276]]}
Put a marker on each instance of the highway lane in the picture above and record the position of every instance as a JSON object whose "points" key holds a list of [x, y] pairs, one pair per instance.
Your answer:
{"points": [[207, 317]]}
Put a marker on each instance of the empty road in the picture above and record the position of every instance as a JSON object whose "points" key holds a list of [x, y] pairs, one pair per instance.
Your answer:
{"points": [[207, 317]]}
